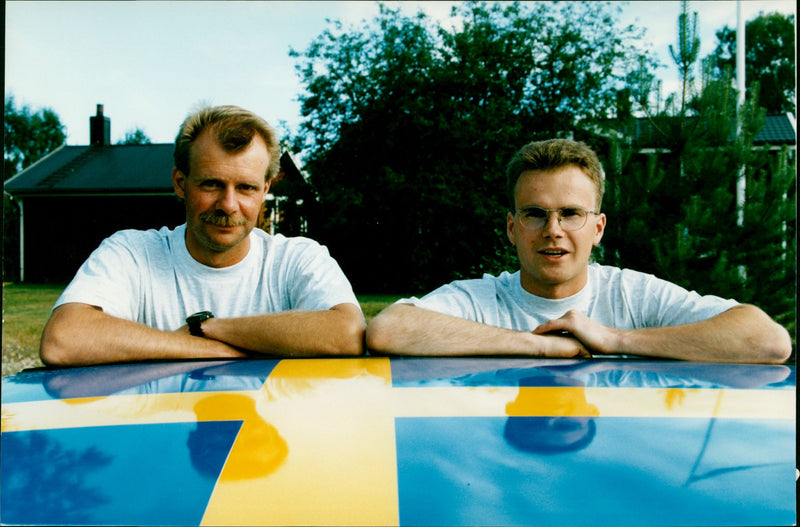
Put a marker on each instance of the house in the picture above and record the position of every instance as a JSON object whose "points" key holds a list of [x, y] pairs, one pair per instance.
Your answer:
{"points": [[642, 137], [776, 132], [76, 196]]}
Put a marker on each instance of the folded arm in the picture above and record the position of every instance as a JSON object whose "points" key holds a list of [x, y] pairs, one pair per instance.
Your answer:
{"points": [[80, 334], [404, 329], [741, 334], [335, 331]]}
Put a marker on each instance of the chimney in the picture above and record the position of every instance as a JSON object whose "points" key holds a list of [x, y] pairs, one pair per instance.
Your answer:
{"points": [[99, 129]]}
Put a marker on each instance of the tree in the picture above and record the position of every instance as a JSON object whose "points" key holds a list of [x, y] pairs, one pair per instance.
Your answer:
{"points": [[769, 60], [673, 213], [687, 50], [408, 127], [28, 136], [135, 137]]}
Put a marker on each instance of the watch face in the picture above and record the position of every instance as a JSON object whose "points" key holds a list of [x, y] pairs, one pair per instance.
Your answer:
{"points": [[199, 317]]}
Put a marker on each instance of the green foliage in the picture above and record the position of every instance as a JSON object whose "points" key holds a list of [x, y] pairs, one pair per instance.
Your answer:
{"points": [[688, 47], [135, 137], [770, 72], [28, 136], [673, 210], [409, 126]]}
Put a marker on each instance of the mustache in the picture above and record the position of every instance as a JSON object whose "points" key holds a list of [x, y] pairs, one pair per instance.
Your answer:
{"points": [[220, 219]]}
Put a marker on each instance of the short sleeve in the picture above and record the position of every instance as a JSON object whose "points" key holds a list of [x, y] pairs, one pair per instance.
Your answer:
{"points": [[108, 279], [668, 304], [474, 300], [317, 282]]}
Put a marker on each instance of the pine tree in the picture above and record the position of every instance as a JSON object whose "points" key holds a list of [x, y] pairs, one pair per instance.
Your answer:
{"points": [[671, 195]]}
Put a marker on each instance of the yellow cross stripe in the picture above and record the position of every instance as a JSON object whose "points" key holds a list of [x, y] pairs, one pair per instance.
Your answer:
{"points": [[604, 402], [339, 465], [102, 411], [422, 402]]}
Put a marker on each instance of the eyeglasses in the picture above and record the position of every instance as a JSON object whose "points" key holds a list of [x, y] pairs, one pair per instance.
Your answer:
{"points": [[570, 218]]}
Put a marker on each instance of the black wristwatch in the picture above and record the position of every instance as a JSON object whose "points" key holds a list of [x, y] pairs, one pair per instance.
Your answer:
{"points": [[195, 322]]}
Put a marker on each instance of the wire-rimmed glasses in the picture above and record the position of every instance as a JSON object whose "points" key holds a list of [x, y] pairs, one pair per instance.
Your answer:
{"points": [[570, 218]]}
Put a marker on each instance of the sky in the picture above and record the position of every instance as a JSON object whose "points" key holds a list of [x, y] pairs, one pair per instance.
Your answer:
{"points": [[151, 62]]}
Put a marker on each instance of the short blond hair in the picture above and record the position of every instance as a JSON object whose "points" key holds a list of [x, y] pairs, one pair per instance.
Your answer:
{"points": [[234, 128], [552, 154]]}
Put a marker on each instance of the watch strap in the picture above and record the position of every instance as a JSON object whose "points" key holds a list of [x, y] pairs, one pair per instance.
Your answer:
{"points": [[195, 322]]}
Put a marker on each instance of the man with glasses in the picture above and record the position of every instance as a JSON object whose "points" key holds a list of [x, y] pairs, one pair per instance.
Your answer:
{"points": [[560, 305]]}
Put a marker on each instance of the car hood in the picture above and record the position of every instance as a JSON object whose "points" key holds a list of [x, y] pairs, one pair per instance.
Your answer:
{"points": [[379, 441]]}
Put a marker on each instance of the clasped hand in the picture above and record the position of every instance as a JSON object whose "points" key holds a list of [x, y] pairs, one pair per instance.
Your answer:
{"points": [[593, 336]]}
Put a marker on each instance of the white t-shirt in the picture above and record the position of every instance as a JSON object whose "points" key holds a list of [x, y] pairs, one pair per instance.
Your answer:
{"points": [[618, 298], [150, 277]]}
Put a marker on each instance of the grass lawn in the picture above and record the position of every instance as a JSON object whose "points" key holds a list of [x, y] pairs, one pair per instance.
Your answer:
{"points": [[26, 308], [371, 305]]}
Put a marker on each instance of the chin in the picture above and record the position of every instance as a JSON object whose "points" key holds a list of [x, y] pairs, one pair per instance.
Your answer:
{"points": [[225, 243]]}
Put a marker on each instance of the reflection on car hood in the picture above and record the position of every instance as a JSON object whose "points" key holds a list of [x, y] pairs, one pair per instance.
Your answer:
{"points": [[378, 441]]}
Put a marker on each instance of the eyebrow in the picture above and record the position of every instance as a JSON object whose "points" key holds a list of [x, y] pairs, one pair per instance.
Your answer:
{"points": [[526, 207]]}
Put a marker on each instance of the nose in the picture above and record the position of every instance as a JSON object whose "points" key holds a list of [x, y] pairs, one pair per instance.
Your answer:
{"points": [[552, 225], [227, 202]]}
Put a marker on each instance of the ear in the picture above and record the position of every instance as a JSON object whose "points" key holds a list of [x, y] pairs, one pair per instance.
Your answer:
{"points": [[510, 229], [600, 228], [266, 190], [179, 183]]}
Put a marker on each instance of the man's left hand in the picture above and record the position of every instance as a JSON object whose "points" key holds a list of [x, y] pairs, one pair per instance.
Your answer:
{"points": [[595, 336]]}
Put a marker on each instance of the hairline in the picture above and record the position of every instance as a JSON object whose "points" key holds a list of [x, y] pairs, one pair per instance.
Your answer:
{"points": [[220, 120], [551, 155], [535, 171]]}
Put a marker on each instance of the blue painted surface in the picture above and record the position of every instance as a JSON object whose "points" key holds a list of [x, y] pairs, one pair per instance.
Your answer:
{"points": [[624, 471], [633, 472], [113, 475]]}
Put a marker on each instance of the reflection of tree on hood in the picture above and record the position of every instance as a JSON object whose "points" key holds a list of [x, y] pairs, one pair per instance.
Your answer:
{"points": [[561, 421], [36, 470], [296, 377], [257, 451]]}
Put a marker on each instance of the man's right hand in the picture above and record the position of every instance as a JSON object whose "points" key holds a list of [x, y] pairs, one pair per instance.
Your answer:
{"points": [[563, 346]]}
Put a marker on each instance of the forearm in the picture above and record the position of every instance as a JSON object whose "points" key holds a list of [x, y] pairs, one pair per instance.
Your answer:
{"points": [[78, 334], [336, 331], [741, 334], [408, 330]]}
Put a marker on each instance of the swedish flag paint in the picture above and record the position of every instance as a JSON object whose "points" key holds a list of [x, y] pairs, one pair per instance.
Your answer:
{"points": [[375, 441]]}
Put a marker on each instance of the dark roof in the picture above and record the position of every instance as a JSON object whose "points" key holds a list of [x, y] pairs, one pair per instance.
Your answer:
{"points": [[777, 130], [112, 170], [117, 169]]}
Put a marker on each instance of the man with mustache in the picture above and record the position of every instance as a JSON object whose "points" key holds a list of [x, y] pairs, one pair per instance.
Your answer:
{"points": [[215, 286], [560, 305]]}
